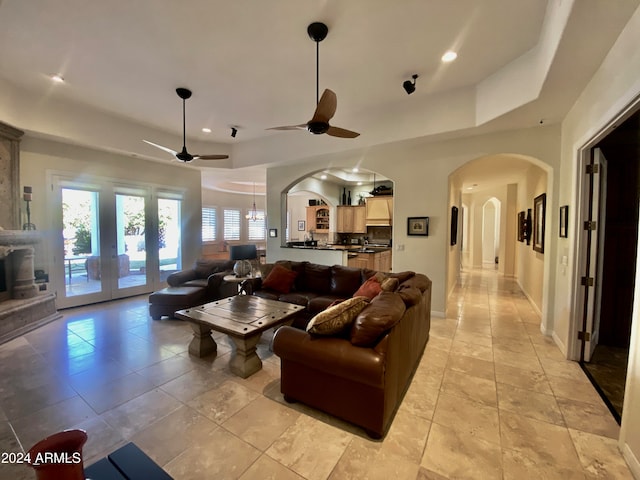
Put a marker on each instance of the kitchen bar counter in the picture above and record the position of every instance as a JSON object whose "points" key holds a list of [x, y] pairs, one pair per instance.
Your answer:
{"points": [[367, 256]]}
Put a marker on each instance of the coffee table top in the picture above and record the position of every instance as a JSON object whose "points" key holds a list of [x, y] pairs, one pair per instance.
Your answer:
{"points": [[240, 315]]}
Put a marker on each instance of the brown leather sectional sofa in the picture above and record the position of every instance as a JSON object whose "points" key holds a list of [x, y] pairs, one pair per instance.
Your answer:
{"points": [[361, 374]]}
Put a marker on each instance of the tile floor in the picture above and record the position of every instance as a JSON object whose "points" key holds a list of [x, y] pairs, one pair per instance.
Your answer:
{"points": [[491, 398]]}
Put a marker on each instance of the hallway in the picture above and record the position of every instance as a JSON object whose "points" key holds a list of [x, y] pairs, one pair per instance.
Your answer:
{"points": [[491, 399]]}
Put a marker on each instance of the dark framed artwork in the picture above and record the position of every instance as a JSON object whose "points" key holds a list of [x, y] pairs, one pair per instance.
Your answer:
{"points": [[539, 212], [418, 226], [522, 225], [454, 225], [564, 221], [301, 225], [527, 227], [273, 232]]}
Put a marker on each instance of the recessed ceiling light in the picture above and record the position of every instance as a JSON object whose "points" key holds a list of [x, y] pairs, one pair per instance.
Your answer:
{"points": [[354, 169], [449, 56], [359, 183], [57, 78], [323, 177], [206, 130]]}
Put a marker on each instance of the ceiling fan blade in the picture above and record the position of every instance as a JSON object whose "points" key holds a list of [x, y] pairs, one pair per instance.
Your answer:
{"points": [[210, 157], [302, 126], [168, 150], [341, 132], [326, 108]]}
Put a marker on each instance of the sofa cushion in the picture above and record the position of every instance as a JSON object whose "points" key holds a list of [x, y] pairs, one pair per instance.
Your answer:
{"points": [[321, 302], [299, 298], [280, 279], [178, 296], [345, 280], [198, 282], [268, 294], [317, 278], [419, 281], [410, 296], [337, 318], [370, 289], [375, 319], [204, 267]]}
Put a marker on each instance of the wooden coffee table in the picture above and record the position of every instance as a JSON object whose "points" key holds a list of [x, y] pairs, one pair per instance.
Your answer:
{"points": [[243, 318]]}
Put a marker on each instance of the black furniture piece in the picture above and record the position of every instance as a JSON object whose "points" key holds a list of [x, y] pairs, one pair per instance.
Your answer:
{"points": [[241, 254], [126, 463]]}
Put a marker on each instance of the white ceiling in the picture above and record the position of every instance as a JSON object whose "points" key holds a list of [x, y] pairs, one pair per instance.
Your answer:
{"points": [[251, 64]]}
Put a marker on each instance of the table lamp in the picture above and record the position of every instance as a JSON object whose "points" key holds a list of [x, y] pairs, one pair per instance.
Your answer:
{"points": [[242, 254]]}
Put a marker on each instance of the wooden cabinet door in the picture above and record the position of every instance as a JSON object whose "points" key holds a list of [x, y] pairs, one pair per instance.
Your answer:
{"points": [[344, 221], [359, 224]]}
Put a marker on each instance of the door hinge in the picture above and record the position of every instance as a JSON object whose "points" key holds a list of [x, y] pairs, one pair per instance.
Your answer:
{"points": [[586, 336], [590, 225], [591, 169], [587, 281]]}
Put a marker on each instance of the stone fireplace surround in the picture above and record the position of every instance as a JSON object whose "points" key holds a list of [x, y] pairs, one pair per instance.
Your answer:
{"points": [[22, 306]]}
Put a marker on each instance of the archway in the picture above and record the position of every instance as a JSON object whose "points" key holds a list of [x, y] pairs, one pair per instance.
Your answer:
{"points": [[491, 233]]}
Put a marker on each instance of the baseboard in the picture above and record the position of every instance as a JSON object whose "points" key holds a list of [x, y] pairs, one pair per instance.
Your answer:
{"points": [[560, 344], [631, 460], [438, 314], [526, 294]]}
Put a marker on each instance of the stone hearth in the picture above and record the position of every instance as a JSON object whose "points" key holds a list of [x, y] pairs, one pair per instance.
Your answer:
{"points": [[22, 306]]}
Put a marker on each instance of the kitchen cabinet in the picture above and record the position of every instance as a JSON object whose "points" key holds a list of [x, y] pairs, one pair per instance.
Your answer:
{"points": [[318, 218], [380, 261], [379, 211], [351, 219]]}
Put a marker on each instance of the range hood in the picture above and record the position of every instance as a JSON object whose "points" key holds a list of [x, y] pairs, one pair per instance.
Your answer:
{"points": [[379, 211]]}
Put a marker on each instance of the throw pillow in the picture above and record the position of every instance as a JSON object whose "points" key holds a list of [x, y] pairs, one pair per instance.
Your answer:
{"points": [[370, 289], [382, 314], [280, 279], [337, 318], [389, 284]]}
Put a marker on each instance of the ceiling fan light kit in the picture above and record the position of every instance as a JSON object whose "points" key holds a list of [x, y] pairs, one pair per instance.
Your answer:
{"points": [[184, 155], [325, 105]]}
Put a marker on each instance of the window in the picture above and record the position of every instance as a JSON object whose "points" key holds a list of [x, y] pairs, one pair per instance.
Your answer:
{"points": [[257, 227], [209, 224], [231, 224]]}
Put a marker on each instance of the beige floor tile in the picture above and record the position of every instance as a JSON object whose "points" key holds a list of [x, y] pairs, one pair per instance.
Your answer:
{"points": [[517, 345], [363, 459], [538, 406], [472, 366], [564, 369], [265, 468], [100, 437], [171, 435], [136, 414], [167, 370], [261, 422], [514, 359], [534, 381], [435, 356], [194, 383], [310, 448], [588, 417], [420, 398], [580, 390], [109, 395], [406, 437], [471, 350], [457, 455], [600, 456], [468, 418], [517, 467], [549, 351], [477, 389], [222, 402], [542, 442], [218, 454], [425, 474], [470, 337]]}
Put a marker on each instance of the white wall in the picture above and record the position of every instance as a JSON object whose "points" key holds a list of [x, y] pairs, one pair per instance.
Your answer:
{"points": [[420, 172], [611, 90]]}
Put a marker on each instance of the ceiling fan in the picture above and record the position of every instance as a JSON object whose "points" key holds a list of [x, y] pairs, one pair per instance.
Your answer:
{"points": [[326, 105], [183, 155]]}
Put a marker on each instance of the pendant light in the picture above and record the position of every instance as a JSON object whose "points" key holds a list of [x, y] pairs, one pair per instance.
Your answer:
{"points": [[253, 214]]}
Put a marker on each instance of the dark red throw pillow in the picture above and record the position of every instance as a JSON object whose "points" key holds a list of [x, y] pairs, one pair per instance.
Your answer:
{"points": [[370, 289], [280, 279]]}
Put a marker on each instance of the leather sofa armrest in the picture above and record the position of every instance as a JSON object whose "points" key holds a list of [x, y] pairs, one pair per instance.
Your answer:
{"points": [[251, 285], [178, 278], [333, 355], [218, 288]]}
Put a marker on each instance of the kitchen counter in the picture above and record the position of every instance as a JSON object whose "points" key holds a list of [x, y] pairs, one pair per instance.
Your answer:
{"points": [[365, 256]]}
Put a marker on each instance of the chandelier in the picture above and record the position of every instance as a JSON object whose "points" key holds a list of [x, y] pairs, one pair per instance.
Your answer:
{"points": [[253, 213]]}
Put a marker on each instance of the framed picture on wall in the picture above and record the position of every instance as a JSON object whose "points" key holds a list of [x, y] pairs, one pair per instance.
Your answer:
{"points": [[301, 225], [418, 226], [273, 232], [539, 211], [522, 226], [454, 225], [564, 220]]}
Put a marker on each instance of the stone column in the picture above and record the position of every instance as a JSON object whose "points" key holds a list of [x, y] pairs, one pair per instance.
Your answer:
{"points": [[24, 282]]}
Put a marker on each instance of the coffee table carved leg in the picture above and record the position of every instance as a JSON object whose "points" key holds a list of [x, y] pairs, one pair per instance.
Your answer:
{"points": [[202, 343], [245, 361]]}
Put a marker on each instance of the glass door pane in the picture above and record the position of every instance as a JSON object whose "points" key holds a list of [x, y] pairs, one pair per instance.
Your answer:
{"points": [[81, 237], [169, 237], [131, 253]]}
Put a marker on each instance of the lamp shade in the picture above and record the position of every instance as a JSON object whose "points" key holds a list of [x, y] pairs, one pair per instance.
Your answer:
{"points": [[243, 252]]}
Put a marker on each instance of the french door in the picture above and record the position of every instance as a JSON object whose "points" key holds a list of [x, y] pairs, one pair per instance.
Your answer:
{"points": [[117, 240]]}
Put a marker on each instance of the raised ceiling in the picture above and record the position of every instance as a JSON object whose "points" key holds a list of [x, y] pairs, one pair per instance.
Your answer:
{"points": [[251, 65]]}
